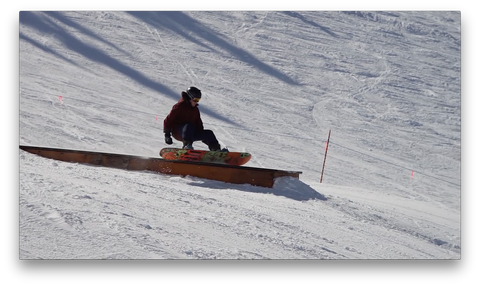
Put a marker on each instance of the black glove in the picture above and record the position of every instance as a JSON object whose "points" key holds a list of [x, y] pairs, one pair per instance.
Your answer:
{"points": [[168, 138]]}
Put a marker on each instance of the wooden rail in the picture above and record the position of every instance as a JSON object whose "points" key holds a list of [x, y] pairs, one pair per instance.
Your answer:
{"points": [[231, 174]]}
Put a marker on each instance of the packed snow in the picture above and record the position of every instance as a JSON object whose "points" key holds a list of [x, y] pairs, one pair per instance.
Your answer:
{"points": [[387, 85]]}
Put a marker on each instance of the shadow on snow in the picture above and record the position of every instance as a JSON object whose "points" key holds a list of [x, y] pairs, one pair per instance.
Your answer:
{"points": [[194, 31], [288, 187], [42, 22]]}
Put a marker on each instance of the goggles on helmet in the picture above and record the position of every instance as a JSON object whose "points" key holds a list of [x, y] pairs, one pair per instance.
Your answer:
{"points": [[192, 97]]}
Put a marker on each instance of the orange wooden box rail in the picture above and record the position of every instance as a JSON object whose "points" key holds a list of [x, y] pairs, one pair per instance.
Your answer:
{"points": [[232, 174]]}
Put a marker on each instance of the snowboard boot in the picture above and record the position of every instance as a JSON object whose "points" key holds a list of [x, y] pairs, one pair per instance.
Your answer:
{"points": [[216, 147], [187, 145]]}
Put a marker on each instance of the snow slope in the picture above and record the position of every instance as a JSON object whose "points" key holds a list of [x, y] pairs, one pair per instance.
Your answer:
{"points": [[387, 84]]}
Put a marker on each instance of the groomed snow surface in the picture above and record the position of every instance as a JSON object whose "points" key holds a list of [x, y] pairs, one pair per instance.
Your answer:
{"points": [[387, 84]]}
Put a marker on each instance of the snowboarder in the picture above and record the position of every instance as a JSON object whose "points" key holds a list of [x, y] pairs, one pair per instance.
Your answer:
{"points": [[185, 124]]}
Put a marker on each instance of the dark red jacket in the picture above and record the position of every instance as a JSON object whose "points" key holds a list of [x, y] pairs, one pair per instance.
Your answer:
{"points": [[182, 113]]}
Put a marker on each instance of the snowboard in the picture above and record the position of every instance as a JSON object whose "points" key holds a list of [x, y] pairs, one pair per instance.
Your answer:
{"points": [[220, 157]]}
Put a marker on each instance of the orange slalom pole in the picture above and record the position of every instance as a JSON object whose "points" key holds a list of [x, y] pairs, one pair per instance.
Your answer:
{"points": [[325, 158]]}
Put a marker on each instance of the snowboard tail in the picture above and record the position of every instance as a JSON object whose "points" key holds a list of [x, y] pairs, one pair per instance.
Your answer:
{"points": [[220, 157]]}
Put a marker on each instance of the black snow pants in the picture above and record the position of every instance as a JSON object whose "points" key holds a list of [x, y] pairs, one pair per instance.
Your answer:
{"points": [[188, 132]]}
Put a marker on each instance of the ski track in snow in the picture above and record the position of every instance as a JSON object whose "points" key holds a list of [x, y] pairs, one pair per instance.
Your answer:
{"points": [[274, 84]]}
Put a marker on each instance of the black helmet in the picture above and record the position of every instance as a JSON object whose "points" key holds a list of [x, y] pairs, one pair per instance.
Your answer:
{"points": [[193, 93]]}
